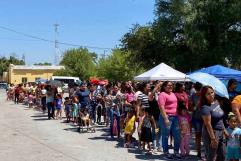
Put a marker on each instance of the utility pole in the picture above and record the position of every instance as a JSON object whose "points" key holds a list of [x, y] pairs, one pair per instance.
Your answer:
{"points": [[104, 54], [56, 46], [23, 58]]}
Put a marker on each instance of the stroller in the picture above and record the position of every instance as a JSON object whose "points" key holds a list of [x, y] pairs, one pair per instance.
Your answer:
{"points": [[84, 120]]}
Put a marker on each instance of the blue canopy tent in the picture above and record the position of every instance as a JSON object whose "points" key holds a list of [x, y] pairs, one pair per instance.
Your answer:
{"points": [[222, 73]]}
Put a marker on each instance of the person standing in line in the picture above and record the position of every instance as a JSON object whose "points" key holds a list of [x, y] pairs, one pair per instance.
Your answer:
{"points": [[16, 94], [168, 119], [232, 85], [50, 101], [236, 107], [234, 140], [58, 105], [197, 121], [181, 94], [184, 123], [155, 112], [43, 98], [213, 129], [74, 110]]}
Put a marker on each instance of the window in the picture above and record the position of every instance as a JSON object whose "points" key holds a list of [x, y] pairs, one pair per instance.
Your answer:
{"points": [[24, 79]]}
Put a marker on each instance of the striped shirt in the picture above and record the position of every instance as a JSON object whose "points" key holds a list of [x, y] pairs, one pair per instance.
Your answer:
{"points": [[144, 100]]}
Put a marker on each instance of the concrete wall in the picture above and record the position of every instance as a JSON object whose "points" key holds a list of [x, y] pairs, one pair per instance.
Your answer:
{"points": [[16, 75], [5, 77]]}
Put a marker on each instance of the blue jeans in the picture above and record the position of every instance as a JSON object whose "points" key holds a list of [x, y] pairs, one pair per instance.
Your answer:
{"points": [[51, 109], [93, 113], [165, 132], [157, 137]]}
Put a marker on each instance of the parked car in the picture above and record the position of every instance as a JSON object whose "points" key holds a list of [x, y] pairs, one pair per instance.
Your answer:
{"points": [[3, 85]]}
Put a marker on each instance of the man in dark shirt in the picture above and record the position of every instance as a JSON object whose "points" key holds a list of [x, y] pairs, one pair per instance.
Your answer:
{"points": [[83, 96]]}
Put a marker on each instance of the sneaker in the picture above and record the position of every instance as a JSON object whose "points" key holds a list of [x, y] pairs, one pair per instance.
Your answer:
{"points": [[148, 153], [154, 151], [167, 156], [177, 156], [131, 146], [159, 149], [187, 156]]}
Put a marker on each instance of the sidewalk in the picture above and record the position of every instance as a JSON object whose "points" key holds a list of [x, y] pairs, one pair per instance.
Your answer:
{"points": [[28, 135]]}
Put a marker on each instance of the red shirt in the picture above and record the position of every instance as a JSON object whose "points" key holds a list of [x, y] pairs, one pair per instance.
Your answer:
{"points": [[182, 97]]}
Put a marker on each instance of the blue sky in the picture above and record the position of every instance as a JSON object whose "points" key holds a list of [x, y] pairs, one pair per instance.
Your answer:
{"points": [[99, 23]]}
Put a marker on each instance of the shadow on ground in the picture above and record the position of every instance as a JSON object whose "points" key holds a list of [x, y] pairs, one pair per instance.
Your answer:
{"points": [[41, 119]]}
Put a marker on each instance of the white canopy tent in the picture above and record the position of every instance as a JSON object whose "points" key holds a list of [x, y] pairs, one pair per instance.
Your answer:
{"points": [[162, 72]]}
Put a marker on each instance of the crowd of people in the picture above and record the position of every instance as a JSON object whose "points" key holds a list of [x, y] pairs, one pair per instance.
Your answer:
{"points": [[164, 114]]}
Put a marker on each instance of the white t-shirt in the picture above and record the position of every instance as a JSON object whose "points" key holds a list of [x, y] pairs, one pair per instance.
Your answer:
{"points": [[59, 90], [137, 94], [43, 91]]}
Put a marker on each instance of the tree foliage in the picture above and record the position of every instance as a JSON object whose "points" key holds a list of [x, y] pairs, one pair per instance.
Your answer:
{"points": [[43, 64], [79, 63], [117, 66], [5, 62], [188, 35]]}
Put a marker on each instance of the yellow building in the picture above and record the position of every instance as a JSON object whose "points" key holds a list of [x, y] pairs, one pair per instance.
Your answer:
{"points": [[22, 73]]}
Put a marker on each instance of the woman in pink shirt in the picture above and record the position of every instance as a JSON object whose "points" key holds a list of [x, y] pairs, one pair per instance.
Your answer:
{"points": [[168, 119], [181, 95]]}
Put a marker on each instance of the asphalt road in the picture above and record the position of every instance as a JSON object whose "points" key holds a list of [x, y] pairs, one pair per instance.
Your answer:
{"points": [[27, 135]]}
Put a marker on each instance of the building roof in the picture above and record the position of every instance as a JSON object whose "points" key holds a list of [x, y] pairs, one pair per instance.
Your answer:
{"points": [[36, 67]]}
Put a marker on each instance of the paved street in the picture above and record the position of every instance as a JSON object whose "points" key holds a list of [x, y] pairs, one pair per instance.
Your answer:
{"points": [[27, 135]]}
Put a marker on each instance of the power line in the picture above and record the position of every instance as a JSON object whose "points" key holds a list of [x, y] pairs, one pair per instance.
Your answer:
{"points": [[17, 39], [52, 41]]}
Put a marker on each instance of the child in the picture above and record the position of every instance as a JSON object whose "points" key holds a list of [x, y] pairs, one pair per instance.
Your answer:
{"points": [[67, 105], [184, 123], [104, 114], [58, 105], [75, 109], [99, 109], [234, 140], [30, 100], [85, 117], [129, 128], [25, 101], [115, 120], [147, 124], [140, 120]]}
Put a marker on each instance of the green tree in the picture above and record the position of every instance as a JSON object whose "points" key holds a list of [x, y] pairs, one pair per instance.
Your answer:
{"points": [[188, 35], [141, 44], [43, 64], [5, 62], [117, 66], [79, 63], [213, 31]]}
